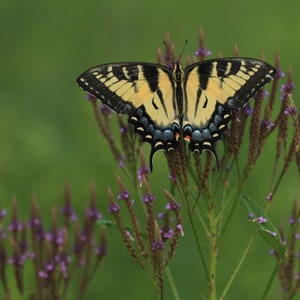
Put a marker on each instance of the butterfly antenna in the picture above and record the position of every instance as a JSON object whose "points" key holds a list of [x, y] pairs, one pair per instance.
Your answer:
{"points": [[183, 48]]}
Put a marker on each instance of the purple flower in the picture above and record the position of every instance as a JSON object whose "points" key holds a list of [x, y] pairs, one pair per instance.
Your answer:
{"points": [[55, 238], [90, 97], [35, 223], [290, 110], [173, 206], [62, 261], [179, 228], [123, 130], [158, 245], [269, 196], [248, 110], [15, 226], [260, 220], [43, 274], [172, 178], [3, 213], [264, 94], [48, 236], [37, 229], [129, 235], [94, 213], [50, 267], [286, 89], [291, 220], [261, 95], [268, 124], [250, 215], [280, 73], [113, 208], [148, 198], [17, 260], [105, 110], [143, 171], [202, 52], [68, 211], [123, 195], [160, 215], [168, 234], [169, 59]]}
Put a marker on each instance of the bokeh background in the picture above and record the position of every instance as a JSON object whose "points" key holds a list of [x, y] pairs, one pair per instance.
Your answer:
{"points": [[48, 133]]}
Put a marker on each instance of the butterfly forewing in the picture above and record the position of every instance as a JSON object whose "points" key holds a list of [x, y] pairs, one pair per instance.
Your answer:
{"points": [[125, 87], [231, 82]]}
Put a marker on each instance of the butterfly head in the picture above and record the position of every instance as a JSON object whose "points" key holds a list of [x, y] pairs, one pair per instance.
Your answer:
{"points": [[178, 72]]}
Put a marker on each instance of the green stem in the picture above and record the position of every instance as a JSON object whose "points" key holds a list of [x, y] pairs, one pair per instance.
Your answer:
{"points": [[235, 272], [172, 284], [232, 209], [270, 282], [196, 238], [213, 253]]}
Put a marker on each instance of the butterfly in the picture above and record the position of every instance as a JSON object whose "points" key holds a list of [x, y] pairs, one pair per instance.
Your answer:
{"points": [[165, 104]]}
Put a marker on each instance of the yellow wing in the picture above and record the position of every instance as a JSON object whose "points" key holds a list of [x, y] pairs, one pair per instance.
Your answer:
{"points": [[211, 91], [144, 91], [216, 88], [125, 87]]}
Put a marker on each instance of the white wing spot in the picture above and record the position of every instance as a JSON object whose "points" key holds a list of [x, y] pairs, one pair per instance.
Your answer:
{"points": [[125, 72]]}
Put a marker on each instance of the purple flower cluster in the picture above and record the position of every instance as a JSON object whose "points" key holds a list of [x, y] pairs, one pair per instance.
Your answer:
{"points": [[143, 171], [54, 253], [202, 52], [286, 89], [148, 198]]}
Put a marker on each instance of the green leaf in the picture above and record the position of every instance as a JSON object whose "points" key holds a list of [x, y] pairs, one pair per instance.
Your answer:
{"points": [[265, 227], [107, 222]]}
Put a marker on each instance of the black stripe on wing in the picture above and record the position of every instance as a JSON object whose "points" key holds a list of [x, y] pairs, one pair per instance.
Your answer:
{"points": [[98, 80]]}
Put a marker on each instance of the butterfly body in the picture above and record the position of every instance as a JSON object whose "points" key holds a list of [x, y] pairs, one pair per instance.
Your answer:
{"points": [[165, 104]]}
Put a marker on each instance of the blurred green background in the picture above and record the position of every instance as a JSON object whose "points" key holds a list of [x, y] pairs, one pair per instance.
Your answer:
{"points": [[48, 133]]}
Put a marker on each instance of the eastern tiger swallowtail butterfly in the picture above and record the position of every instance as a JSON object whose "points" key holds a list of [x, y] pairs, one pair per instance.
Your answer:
{"points": [[165, 104]]}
